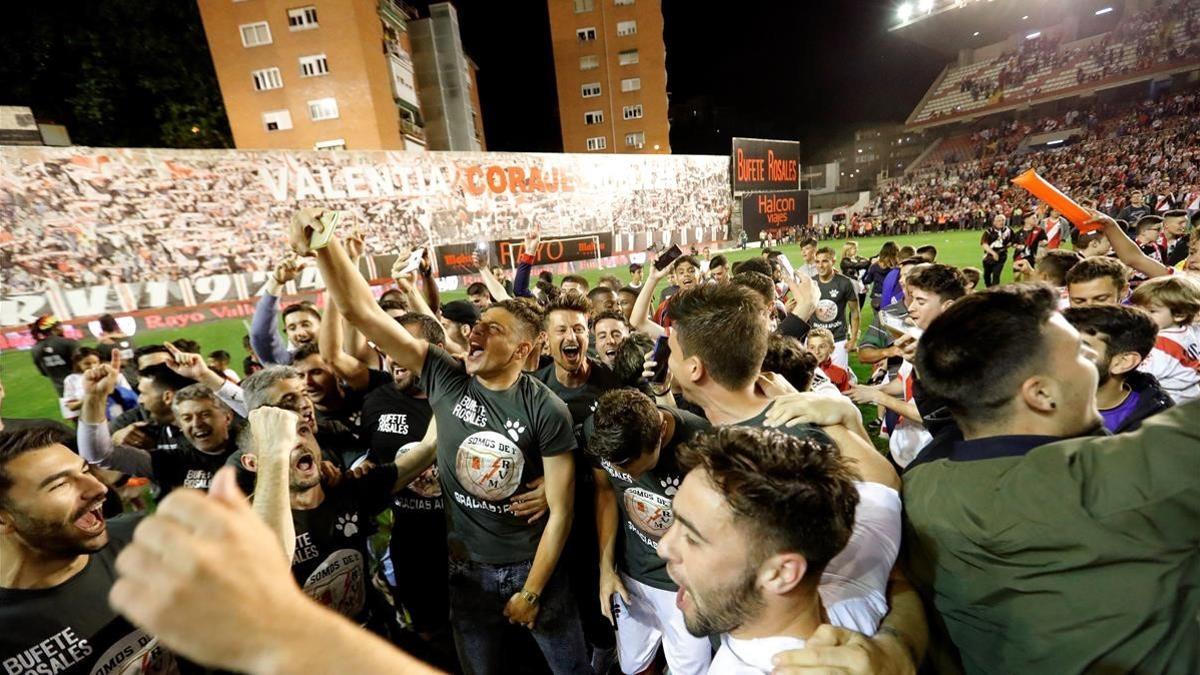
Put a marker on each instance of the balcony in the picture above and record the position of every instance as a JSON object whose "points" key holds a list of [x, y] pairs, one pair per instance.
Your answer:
{"points": [[397, 12]]}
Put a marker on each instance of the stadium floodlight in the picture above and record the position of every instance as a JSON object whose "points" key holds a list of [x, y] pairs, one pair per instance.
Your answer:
{"points": [[975, 34], [904, 12], [925, 6], [1034, 34], [1105, 10]]}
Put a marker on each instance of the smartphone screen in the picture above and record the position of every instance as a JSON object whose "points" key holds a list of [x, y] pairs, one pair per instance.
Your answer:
{"points": [[664, 261], [662, 352]]}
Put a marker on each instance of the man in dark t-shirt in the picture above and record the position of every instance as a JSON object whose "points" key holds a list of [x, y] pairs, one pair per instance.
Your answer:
{"points": [[838, 309], [57, 566], [52, 354], [632, 443], [497, 429]]}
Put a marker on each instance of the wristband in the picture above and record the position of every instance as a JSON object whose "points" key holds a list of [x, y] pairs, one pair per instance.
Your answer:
{"points": [[526, 258]]}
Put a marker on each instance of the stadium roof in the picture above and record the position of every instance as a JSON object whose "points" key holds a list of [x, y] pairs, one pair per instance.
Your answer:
{"points": [[949, 26]]}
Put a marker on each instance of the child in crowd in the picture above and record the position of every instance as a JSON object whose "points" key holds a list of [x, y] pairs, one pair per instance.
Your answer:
{"points": [[820, 345], [1174, 303]]}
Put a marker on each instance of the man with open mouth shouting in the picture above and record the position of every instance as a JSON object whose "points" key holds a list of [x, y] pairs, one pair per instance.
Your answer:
{"points": [[498, 429], [57, 565]]}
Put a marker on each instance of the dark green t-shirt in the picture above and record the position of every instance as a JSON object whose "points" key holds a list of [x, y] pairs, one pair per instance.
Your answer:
{"points": [[581, 401], [490, 445], [645, 504], [759, 421]]}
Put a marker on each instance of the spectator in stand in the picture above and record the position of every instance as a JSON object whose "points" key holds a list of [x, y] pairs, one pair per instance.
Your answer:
{"points": [[1174, 303], [1147, 233], [1135, 209], [1175, 237], [1120, 339]]}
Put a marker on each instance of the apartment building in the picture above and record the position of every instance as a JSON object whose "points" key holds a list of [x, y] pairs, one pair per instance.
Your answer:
{"points": [[610, 67]]}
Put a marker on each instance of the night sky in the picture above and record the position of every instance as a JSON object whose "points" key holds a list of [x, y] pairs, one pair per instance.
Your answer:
{"points": [[760, 68]]}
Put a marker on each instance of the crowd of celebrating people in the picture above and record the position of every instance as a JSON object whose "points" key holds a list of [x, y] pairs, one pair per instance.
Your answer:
{"points": [[555, 475]]}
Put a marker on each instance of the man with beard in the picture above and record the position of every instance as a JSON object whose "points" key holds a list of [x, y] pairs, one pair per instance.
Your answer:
{"points": [[57, 566], [610, 329], [331, 524], [157, 384], [772, 537], [636, 442], [301, 321], [1014, 495], [395, 418], [498, 429], [203, 419]]}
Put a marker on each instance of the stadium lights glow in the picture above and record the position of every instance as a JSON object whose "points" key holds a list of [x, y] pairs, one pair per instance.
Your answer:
{"points": [[1034, 34], [975, 34], [925, 5], [1025, 18], [1106, 10], [905, 11]]}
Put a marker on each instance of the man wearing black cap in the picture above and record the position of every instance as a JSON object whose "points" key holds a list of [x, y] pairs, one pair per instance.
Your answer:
{"points": [[458, 318], [1174, 238], [52, 353]]}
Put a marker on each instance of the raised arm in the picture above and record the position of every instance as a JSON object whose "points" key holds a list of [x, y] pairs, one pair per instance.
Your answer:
{"points": [[353, 296], [352, 371], [494, 287], [95, 444], [525, 260], [193, 366], [264, 331], [429, 285], [1126, 249], [639, 319], [273, 432]]}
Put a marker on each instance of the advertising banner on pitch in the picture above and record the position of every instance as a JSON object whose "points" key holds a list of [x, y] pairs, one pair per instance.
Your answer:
{"points": [[759, 165], [773, 211]]}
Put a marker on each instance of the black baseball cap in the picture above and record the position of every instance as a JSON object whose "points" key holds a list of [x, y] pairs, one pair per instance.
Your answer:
{"points": [[461, 311]]}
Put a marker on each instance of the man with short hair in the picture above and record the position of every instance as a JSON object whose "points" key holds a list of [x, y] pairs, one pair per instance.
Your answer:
{"points": [[156, 428], [635, 275], [301, 320], [1092, 244], [808, 249], [57, 565], [1135, 209], [576, 283], [52, 353], [112, 338], [1175, 237], [1052, 269], [610, 329], [204, 421], [627, 299], [478, 295], [1098, 281], [1121, 338], [1028, 488], [773, 536], [602, 299], [718, 268], [635, 442], [995, 243], [838, 310], [458, 318], [498, 429], [929, 252]]}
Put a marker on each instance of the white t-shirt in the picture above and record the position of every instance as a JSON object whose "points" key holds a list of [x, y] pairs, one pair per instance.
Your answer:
{"points": [[853, 587], [73, 391], [1175, 362], [907, 439]]}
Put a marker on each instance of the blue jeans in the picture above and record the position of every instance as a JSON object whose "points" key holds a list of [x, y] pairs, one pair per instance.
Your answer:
{"points": [[478, 594]]}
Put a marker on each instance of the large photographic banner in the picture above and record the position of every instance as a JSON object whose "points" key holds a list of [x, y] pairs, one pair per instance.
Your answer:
{"points": [[94, 230]]}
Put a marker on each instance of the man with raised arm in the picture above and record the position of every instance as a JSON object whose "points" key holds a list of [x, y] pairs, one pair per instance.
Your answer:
{"points": [[497, 429]]}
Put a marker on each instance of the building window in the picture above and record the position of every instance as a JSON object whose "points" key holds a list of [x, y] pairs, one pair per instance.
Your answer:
{"points": [[255, 34], [312, 66], [589, 62], [632, 112], [597, 143], [277, 120], [302, 18], [591, 89], [619, 3], [582, 6], [628, 57], [322, 109], [593, 117], [631, 84], [586, 34], [635, 140], [267, 78], [335, 144], [626, 28]]}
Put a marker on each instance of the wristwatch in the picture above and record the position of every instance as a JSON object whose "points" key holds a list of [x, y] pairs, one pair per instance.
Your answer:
{"points": [[529, 596]]}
